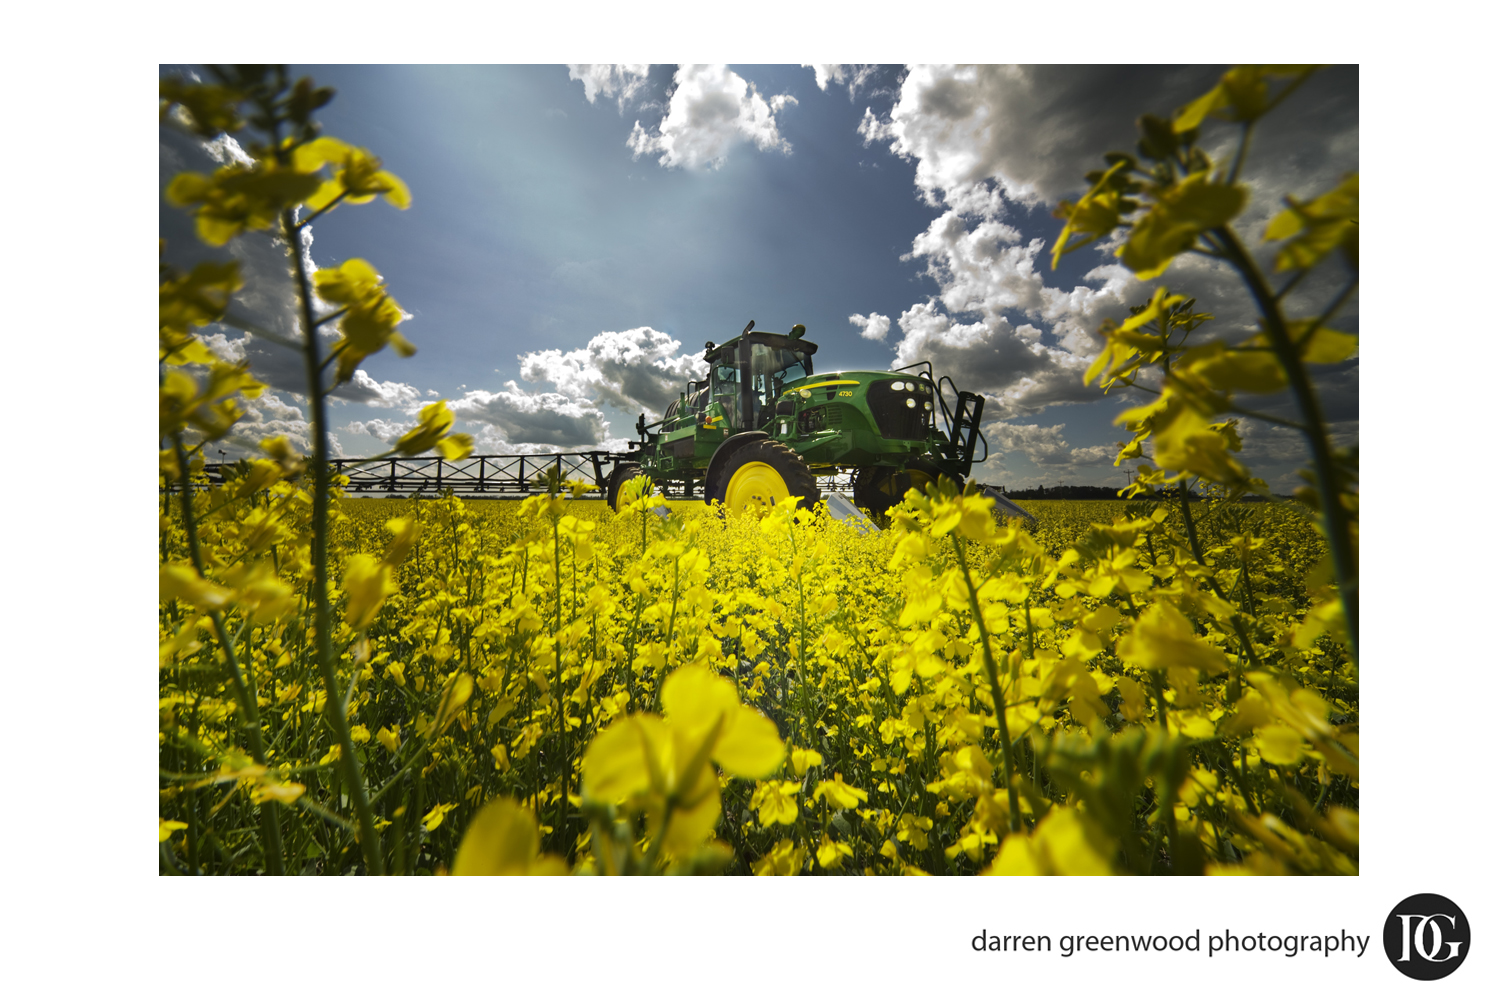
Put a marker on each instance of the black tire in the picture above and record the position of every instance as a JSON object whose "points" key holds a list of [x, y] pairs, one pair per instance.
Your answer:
{"points": [[794, 475], [878, 488], [622, 473]]}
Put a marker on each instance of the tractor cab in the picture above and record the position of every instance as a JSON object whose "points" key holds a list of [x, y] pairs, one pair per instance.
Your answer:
{"points": [[747, 374]]}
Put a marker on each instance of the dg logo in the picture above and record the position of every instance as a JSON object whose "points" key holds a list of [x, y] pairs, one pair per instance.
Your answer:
{"points": [[1426, 936]]}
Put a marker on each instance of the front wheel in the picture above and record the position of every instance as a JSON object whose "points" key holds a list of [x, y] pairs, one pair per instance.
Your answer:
{"points": [[623, 473], [761, 474], [878, 488]]}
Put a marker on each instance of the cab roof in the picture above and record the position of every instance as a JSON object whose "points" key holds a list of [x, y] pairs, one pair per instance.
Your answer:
{"points": [[780, 341]]}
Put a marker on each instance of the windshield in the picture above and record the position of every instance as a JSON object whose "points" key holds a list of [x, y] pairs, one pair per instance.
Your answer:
{"points": [[747, 379], [770, 367]]}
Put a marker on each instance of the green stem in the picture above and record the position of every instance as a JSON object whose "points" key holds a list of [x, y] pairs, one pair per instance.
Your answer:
{"points": [[993, 674], [244, 692], [1336, 521], [334, 713]]}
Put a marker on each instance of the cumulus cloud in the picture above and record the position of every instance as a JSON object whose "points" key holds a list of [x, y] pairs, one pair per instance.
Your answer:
{"points": [[989, 143], [855, 76], [268, 415], [712, 109], [1018, 375], [621, 82], [1032, 130], [873, 326], [1046, 447], [364, 389], [224, 348], [639, 369], [514, 416], [382, 430]]}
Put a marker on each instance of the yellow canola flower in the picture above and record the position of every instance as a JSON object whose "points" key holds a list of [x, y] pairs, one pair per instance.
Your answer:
{"points": [[503, 840], [1063, 843], [388, 739], [456, 694], [286, 793], [840, 795], [167, 827], [784, 859], [1163, 638], [969, 515], [831, 853], [776, 802], [181, 581], [436, 814], [431, 431], [804, 759], [406, 531], [662, 763], [367, 582]]}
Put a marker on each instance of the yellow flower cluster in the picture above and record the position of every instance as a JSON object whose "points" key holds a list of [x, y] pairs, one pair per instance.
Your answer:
{"points": [[605, 693]]}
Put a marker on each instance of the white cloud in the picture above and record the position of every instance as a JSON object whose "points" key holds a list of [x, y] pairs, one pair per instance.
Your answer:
{"points": [[514, 416], [855, 76], [621, 82], [985, 140], [225, 349], [268, 415], [364, 389], [1018, 375], [1033, 131], [872, 327], [1046, 447], [712, 109], [382, 430], [631, 370], [985, 269], [225, 150]]}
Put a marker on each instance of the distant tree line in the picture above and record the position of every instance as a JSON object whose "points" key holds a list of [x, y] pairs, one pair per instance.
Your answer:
{"points": [[1061, 492]]}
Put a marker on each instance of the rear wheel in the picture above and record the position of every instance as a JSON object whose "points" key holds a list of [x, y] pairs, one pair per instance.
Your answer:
{"points": [[878, 488], [623, 473], [761, 474]]}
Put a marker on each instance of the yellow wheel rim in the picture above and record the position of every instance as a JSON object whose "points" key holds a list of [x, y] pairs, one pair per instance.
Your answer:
{"points": [[755, 484]]}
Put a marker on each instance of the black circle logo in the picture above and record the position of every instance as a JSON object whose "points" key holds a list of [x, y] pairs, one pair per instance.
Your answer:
{"points": [[1426, 936]]}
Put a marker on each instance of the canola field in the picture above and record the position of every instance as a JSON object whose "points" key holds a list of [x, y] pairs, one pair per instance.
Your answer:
{"points": [[549, 686]]}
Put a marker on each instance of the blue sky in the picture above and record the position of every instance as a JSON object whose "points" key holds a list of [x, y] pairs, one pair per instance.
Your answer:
{"points": [[577, 234]]}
